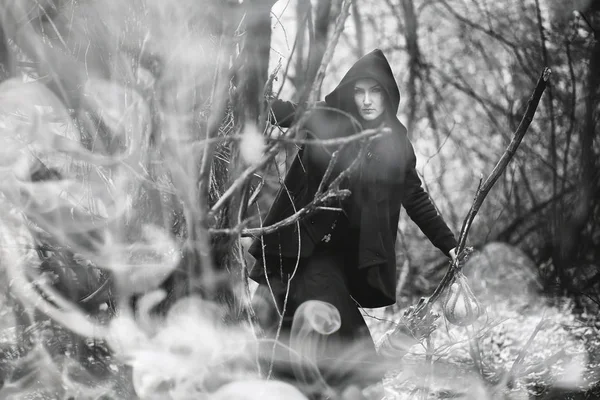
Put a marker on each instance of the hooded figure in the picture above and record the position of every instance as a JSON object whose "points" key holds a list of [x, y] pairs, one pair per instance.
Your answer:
{"points": [[346, 258]]}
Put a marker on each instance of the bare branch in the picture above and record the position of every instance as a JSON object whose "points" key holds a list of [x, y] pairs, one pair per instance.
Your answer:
{"points": [[337, 141], [273, 151], [488, 183], [516, 367], [508, 154], [321, 198]]}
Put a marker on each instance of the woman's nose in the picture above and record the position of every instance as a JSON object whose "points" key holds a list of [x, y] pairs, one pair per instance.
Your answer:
{"points": [[367, 99]]}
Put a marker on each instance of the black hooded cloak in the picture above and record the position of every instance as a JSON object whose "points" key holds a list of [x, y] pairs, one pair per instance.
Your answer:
{"points": [[385, 181]]}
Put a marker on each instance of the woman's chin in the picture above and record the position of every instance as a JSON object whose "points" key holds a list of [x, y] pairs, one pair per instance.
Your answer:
{"points": [[370, 116]]}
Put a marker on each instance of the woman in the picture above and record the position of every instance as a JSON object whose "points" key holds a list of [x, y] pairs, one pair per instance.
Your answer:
{"points": [[345, 258]]}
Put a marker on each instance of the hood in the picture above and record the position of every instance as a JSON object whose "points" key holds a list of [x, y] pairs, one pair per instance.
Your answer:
{"points": [[388, 149], [372, 65]]}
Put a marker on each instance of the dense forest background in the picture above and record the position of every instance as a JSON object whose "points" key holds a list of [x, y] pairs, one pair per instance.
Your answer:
{"points": [[136, 163], [466, 70]]}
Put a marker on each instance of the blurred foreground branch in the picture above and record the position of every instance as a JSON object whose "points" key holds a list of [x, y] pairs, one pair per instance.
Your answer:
{"points": [[322, 197]]}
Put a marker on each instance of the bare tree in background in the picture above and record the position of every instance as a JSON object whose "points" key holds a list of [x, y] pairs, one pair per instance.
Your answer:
{"points": [[159, 104], [313, 21], [464, 64]]}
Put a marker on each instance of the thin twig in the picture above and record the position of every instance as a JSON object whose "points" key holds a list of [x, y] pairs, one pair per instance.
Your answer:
{"points": [[519, 360], [279, 327], [329, 170], [301, 213], [554, 359], [285, 303], [475, 351], [424, 390], [337, 141], [265, 109], [211, 128], [266, 273], [288, 140]]}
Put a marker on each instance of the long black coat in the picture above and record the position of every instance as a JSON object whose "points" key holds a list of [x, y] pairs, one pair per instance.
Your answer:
{"points": [[388, 181]]}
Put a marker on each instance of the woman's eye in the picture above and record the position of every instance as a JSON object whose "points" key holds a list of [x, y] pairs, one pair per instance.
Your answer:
{"points": [[377, 90]]}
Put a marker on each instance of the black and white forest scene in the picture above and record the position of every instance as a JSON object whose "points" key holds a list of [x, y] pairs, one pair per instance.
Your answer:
{"points": [[299, 199]]}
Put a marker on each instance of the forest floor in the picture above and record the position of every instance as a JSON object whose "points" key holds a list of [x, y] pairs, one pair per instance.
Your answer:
{"points": [[560, 361]]}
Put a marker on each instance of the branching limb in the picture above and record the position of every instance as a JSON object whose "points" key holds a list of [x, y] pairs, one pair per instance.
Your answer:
{"points": [[487, 185], [367, 133], [416, 318], [506, 157], [274, 150], [322, 197], [295, 217], [329, 170], [200, 144]]}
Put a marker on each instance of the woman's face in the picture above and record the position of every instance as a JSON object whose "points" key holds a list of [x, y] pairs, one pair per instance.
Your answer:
{"points": [[369, 98]]}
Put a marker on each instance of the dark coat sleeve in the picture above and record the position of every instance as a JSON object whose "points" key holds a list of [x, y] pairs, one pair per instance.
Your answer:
{"points": [[421, 210], [282, 113], [300, 184], [322, 124]]}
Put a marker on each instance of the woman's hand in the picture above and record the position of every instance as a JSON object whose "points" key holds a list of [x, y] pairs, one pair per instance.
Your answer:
{"points": [[452, 254]]}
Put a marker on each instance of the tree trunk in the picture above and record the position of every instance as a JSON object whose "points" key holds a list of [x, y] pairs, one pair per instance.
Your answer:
{"points": [[414, 60], [4, 57], [248, 107], [319, 40], [303, 11], [255, 59], [358, 26], [571, 240], [318, 27]]}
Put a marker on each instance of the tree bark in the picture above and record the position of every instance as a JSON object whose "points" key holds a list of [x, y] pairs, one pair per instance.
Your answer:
{"points": [[4, 57], [248, 109], [414, 60], [255, 58], [358, 27], [319, 40], [303, 12], [574, 228]]}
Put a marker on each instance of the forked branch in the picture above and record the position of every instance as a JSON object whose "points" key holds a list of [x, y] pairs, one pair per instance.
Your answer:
{"points": [[303, 116], [486, 186]]}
